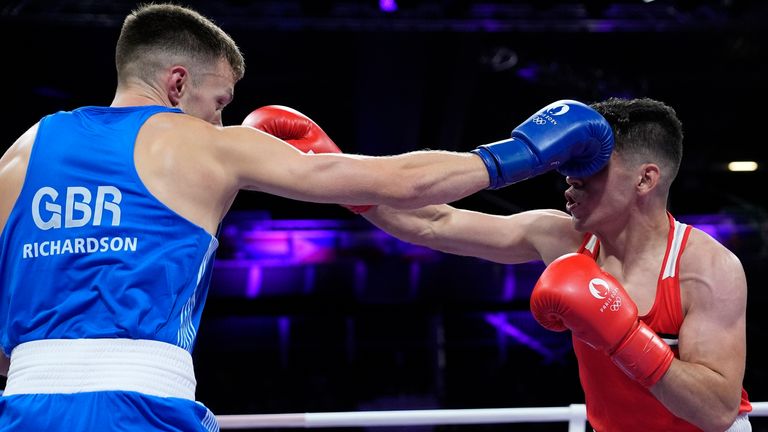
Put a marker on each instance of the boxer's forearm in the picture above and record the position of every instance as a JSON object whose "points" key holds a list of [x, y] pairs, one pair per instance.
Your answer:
{"points": [[699, 395]]}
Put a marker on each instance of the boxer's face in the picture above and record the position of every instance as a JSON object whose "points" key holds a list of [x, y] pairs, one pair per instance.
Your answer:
{"points": [[603, 198], [208, 93]]}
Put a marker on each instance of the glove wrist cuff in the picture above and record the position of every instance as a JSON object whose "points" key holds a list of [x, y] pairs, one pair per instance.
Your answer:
{"points": [[643, 355], [508, 161]]}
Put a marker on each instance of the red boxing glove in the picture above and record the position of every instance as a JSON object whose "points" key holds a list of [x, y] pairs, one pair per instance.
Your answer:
{"points": [[574, 293], [298, 130]]}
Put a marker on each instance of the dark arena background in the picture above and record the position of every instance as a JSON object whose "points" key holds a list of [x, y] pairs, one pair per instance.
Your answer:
{"points": [[311, 308]]}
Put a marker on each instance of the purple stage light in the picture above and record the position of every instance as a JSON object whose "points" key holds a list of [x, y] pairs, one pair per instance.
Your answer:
{"points": [[499, 321], [253, 287], [510, 284], [720, 226], [292, 242], [528, 73], [388, 5]]}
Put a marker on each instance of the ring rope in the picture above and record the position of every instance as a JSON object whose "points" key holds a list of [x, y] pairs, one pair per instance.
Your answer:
{"points": [[575, 415]]}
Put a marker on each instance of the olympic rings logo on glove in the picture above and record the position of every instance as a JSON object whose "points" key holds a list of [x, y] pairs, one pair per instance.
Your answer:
{"points": [[616, 304]]}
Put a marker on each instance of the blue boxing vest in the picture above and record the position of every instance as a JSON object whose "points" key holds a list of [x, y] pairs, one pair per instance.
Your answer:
{"points": [[87, 251]]}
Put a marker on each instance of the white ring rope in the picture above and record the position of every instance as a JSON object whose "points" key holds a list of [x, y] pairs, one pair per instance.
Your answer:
{"points": [[575, 415], [403, 417]]}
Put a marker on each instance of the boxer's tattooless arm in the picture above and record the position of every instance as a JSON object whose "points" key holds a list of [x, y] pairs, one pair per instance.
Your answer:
{"points": [[704, 386], [264, 163], [522, 237]]}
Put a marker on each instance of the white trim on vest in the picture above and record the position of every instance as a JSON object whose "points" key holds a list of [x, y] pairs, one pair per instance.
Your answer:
{"points": [[670, 267]]}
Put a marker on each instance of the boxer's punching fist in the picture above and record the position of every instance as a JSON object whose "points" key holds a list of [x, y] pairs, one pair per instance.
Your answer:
{"points": [[298, 130], [565, 135], [574, 293]]}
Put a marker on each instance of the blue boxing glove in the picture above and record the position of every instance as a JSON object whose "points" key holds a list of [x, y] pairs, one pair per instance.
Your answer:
{"points": [[565, 135]]}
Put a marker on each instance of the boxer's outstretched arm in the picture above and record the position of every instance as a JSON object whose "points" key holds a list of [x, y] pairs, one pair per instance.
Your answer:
{"points": [[567, 135], [262, 162], [197, 168], [704, 386], [522, 237]]}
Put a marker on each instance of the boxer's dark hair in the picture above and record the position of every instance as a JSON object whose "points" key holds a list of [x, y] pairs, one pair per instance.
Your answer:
{"points": [[645, 130], [154, 35]]}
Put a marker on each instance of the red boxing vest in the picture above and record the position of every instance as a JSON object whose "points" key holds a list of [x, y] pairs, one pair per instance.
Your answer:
{"points": [[614, 401]]}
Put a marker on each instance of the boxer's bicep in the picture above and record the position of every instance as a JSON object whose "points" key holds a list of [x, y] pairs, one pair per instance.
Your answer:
{"points": [[261, 162], [713, 333]]}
